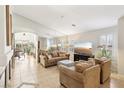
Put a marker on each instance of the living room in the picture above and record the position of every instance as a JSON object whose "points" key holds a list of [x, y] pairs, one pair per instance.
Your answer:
{"points": [[67, 38]]}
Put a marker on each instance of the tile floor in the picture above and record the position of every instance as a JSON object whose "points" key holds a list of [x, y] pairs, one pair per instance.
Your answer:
{"points": [[29, 74]]}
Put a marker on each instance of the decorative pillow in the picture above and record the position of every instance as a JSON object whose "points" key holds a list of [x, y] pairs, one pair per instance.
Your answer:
{"points": [[91, 61], [67, 55], [77, 62], [62, 55], [80, 67], [54, 54], [49, 56]]}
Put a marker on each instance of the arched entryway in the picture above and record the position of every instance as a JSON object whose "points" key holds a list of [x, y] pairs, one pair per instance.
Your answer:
{"points": [[25, 44]]}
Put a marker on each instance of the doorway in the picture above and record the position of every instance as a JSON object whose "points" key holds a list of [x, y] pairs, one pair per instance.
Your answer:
{"points": [[25, 44]]}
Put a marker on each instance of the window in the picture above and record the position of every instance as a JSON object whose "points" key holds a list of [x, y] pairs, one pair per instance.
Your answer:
{"points": [[83, 44]]}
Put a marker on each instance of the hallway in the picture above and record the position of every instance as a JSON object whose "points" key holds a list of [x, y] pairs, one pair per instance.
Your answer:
{"points": [[29, 74]]}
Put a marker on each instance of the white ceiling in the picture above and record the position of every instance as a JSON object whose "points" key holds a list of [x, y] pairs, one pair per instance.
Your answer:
{"points": [[60, 18]]}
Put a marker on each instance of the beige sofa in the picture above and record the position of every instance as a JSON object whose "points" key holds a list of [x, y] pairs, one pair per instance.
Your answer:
{"points": [[47, 61], [70, 78], [105, 69]]}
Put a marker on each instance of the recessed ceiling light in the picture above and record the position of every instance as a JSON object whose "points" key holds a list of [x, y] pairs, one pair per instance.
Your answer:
{"points": [[62, 16], [24, 34], [73, 25]]}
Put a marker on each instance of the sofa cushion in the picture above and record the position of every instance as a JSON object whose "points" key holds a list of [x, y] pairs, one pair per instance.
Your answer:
{"points": [[60, 58], [80, 67], [90, 61], [62, 55], [54, 54], [62, 52], [52, 59]]}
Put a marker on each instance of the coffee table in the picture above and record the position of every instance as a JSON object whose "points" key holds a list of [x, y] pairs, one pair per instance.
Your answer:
{"points": [[68, 63]]}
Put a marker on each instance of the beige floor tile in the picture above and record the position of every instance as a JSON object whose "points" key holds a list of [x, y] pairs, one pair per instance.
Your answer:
{"points": [[28, 72]]}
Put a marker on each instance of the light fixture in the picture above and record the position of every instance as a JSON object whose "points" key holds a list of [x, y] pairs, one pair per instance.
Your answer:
{"points": [[73, 25], [62, 16], [23, 34]]}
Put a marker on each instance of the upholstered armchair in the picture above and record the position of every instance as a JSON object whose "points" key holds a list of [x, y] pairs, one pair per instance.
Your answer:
{"points": [[105, 69], [70, 78]]}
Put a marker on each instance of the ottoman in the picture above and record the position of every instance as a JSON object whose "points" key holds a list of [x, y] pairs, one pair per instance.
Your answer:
{"points": [[68, 63]]}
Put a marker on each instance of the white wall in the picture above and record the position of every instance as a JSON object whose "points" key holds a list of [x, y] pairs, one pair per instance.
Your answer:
{"points": [[94, 37], [43, 43], [2, 35], [28, 37], [121, 46], [5, 51], [22, 24], [2, 30]]}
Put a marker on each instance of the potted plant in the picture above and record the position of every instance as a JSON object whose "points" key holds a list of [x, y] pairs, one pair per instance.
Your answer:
{"points": [[103, 52]]}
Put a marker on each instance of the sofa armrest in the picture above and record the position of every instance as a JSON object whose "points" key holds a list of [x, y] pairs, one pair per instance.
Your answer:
{"points": [[105, 70], [43, 60], [92, 76], [71, 73]]}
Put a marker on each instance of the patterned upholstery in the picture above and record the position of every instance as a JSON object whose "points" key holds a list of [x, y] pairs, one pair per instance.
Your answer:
{"points": [[105, 69], [46, 61], [90, 78]]}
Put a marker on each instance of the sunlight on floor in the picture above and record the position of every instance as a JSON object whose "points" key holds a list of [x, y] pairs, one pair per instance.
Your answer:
{"points": [[29, 74], [29, 71]]}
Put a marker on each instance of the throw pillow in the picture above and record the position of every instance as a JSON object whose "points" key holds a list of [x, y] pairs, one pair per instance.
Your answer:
{"points": [[91, 61], [80, 67], [54, 54], [49, 56]]}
